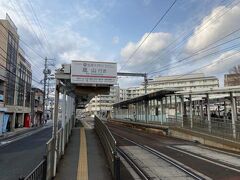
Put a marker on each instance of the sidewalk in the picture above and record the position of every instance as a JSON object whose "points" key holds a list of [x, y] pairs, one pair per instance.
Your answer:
{"points": [[20, 131], [84, 157]]}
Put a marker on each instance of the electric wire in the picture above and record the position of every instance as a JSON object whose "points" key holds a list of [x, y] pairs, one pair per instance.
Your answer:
{"points": [[170, 66], [205, 25], [139, 46]]}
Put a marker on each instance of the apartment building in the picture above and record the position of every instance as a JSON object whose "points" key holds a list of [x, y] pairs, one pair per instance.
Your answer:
{"points": [[232, 79], [103, 104], [15, 80], [181, 82]]}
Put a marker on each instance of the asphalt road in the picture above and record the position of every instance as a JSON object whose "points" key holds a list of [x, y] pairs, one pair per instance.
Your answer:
{"points": [[20, 157]]}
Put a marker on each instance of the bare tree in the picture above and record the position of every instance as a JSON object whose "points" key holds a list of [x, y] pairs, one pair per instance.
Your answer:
{"points": [[235, 70], [233, 78]]}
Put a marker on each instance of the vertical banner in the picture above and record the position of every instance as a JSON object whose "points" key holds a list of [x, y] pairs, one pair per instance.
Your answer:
{"points": [[5, 121]]}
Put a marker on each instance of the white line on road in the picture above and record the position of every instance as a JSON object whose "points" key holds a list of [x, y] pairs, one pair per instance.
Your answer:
{"points": [[4, 143]]}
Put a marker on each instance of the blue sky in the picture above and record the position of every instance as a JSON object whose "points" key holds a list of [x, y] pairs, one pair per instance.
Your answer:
{"points": [[110, 30]]}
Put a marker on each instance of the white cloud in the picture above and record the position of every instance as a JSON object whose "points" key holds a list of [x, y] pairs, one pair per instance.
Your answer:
{"points": [[65, 44], [126, 82], [223, 63], [214, 26], [145, 55]]}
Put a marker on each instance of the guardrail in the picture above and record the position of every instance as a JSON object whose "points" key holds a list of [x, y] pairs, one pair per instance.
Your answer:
{"points": [[39, 172], [50, 158], [109, 145], [46, 169]]}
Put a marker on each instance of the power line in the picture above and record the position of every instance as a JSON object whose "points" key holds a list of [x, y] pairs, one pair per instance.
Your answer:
{"points": [[161, 18], [4, 59], [212, 63], [229, 48], [16, 11], [165, 50], [201, 51], [39, 24], [28, 21], [6, 38]]}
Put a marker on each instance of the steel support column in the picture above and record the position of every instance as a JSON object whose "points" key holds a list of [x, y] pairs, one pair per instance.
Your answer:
{"points": [[234, 114], [208, 114], [190, 111], [182, 109]]}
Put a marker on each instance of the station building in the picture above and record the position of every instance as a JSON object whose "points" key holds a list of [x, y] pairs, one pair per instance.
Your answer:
{"points": [[15, 79]]}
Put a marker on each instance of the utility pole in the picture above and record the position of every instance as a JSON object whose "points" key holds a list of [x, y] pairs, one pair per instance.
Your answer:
{"points": [[145, 83], [45, 72]]}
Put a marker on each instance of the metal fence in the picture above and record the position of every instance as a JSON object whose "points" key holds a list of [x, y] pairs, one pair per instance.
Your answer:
{"points": [[50, 158], [39, 173], [54, 151], [218, 126], [109, 145]]}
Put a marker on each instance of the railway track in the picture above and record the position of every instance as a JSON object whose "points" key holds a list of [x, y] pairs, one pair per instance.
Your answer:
{"points": [[190, 172]]}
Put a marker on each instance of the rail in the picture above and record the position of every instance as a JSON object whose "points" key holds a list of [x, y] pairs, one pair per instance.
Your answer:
{"points": [[194, 174], [109, 145]]}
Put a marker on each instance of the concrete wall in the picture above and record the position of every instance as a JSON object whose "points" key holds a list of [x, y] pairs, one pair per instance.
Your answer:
{"points": [[205, 139]]}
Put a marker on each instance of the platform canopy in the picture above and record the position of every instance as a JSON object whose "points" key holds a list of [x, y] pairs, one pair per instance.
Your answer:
{"points": [[150, 96]]}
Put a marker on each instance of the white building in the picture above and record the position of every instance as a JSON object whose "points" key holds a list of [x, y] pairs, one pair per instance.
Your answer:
{"points": [[104, 103]]}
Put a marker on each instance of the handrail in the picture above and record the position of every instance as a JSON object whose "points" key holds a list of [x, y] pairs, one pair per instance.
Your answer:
{"points": [[39, 171], [109, 145]]}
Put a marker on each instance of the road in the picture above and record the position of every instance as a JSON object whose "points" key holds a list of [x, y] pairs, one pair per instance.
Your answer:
{"points": [[20, 157], [209, 162]]}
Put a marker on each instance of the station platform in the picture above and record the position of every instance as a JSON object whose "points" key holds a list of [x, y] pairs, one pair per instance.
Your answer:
{"points": [[84, 156]]}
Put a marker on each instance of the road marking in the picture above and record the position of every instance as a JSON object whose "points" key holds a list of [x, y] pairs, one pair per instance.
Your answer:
{"points": [[204, 159], [21, 136], [82, 173]]}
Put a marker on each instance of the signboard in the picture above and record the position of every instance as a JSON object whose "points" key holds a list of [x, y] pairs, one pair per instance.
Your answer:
{"points": [[89, 72]]}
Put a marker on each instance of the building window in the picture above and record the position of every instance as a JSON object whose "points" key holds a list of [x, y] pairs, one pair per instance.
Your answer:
{"points": [[11, 64]]}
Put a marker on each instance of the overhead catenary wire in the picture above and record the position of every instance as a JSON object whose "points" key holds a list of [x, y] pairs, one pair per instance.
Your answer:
{"points": [[210, 64], [170, 66], [139, 46], [166, 49]]}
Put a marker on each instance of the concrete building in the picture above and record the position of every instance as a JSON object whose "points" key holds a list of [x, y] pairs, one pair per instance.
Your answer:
{"points": [[37, 106], [102, 104], [232, 79], [180, 82], [16, 77]]}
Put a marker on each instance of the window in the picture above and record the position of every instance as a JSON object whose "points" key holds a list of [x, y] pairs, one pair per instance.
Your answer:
{"points": [[11, 64]]}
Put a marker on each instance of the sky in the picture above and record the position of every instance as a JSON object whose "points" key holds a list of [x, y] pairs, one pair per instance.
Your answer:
{"points": [[196, 36]]}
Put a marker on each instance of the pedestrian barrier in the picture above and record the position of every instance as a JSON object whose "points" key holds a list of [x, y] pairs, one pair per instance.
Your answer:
{"points": [[46, 168], [109, 145], [50, 158], [39, 173]]}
